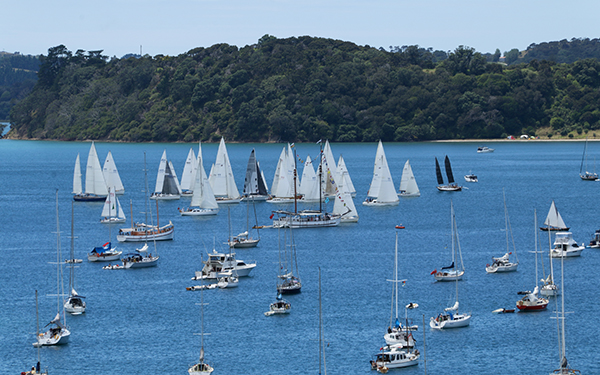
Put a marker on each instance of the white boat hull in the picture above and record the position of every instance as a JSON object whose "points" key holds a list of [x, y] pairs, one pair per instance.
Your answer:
{"points": [[407, 195], [376, 203], [144, 263], [567, 254], [449, 276], [139, 235], [503, 268], [222, 200], [458, 321], [104, 257], [256, 198], [49, 339], [112, 220], [243, 244], [449, 188], [549, 290], [199, 212], [74, 308], [165, 197], [241, 271]]}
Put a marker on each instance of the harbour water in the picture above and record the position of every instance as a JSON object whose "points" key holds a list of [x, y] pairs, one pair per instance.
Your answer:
{"points": [[143, 321]]}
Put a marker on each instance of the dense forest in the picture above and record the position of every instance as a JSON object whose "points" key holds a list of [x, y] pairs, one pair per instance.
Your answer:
{"points": [[18, 74], [305, 89]]}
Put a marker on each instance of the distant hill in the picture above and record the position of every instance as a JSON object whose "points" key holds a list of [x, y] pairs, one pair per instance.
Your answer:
{"points": [[563, 51], [306, 89], [18, 74]]}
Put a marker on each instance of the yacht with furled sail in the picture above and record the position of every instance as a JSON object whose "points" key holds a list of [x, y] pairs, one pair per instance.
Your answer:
{"points": [[201, 367], [221, 177], [288, 278], [453, 271], [37, 369], [167, 185], [503, 263], [382, 191], [95, 185], [74, 304]]}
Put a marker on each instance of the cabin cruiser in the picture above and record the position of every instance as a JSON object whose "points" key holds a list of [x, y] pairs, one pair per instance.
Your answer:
{"points": [[219, 265], [565, 246]]}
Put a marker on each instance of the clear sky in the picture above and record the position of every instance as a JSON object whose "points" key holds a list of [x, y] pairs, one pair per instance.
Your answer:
{"points": [[171, 27]]}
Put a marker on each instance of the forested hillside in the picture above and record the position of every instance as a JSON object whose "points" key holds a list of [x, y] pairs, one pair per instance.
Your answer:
{"points": [[305, 89], [18, 74]]}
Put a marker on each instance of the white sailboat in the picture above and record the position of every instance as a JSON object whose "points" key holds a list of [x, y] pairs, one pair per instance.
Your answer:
{"points": [[221, 177], [112, 212], [74, 305], [111, 175], [343, 177], [288, 277], [453, 271], [554, 222], [58, 334], [398, 334], [280, 306], [586, 176], [503, 263], [564, 368], [167, 185], [37, 369], [95, 186], [549, 288], [284, 189], [309, 185], [452, 186], [201, 367], [382, 191], [203, 199], [189, 173], [255, 186], [330, 180], [344, 206], [408, 184], [244, 240]]}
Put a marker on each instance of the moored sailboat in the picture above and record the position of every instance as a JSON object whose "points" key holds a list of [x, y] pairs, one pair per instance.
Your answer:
{"points": [[201, 367], [74, 304], [503, 263], [453, 271], [586, 176], [288, 278]]}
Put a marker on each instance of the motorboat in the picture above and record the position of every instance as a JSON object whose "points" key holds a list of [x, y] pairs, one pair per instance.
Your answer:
{"points": [[104, 253], [565, 246], [394, 357], [471, 177], [484, 149], [221, 264], [501, 264], [280, 306], [595, 241]]}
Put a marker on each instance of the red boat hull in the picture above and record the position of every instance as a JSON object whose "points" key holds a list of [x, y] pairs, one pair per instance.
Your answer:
{"points": [[532, 308]]}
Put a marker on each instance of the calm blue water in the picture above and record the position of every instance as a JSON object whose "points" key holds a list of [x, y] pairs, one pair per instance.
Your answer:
{"points": [[143, 321]]}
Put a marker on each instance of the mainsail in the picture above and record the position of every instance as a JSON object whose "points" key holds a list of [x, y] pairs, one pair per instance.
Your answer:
{"points": [[449, 171], [94, 179], [438, 172]]}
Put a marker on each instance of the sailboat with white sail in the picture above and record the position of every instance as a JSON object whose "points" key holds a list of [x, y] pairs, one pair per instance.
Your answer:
{"points": [[586, 176], [201, 367], [453, 271], [343, 177], [167, 185], [503, 263], [554, 222], [74, 305], [450, 317], [112, 212], [221, 177], [255, 186], [309, 185], [408, 184], [451, 186], [58, 334], [203, 200], [95, 185], [344, 206], [382, 191], [330, 182], [111, 175], [189, 173], [285, 187]]}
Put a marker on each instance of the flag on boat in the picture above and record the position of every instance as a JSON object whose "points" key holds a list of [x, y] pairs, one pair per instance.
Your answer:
{"points": [[433, 272]]}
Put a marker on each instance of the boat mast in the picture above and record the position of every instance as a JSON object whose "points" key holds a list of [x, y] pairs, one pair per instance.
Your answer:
{"points": [[321, 178]]}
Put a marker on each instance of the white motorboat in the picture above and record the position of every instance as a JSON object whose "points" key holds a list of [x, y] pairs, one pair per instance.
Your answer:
{"points": [[565, 246], [95, 185], [104, 253], [203, 199], [394, 357], [221, 264], [221, 177], [451, 186], [167, 185], [74, 304], [484, 149], [280, 306], [111, 175], [452, 272], [503, 263], [408, 184], [397, 334], [228, 281], [471, 177], [595, 241], [58, 333], [382, 191]]}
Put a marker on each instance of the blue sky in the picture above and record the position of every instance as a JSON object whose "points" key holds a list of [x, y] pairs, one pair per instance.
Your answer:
{"points": [[176, 26]]}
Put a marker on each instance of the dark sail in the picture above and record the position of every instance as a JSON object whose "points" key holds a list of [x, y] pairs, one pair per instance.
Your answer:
{"points": [[438, 172], [251, 180], [449, 267], [169, 184], [449, 171], [262, 187]]}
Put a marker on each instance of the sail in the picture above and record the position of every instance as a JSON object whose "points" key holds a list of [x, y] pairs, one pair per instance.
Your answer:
{"points": [[189, 171], [329, 163], [309, 185], [448, 170], [203, 195], [171, 183], [94, 179], [160, 176], [554, 219], [344, 204], [387, 189], [408, 184], [77, 188], [453, 308], [438, 173], [292, 170], [221, 177], [111, 174], [110, 204], [120, 213], [343, 177], [262, 182], [376, 180], [253, 183], [277, 176]]}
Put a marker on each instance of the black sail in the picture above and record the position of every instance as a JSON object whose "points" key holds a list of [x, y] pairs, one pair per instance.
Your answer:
{"points": [[449, 171], [169, 184], [438, 172]]}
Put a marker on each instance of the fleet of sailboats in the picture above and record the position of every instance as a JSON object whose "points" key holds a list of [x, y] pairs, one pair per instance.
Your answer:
{"points": [[95, 185]]}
